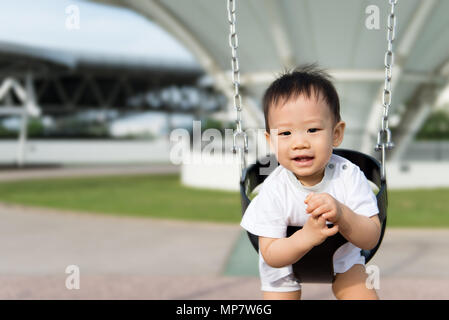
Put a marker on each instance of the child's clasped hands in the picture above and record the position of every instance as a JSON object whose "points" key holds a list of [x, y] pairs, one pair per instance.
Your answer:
{"points": [[322, 207]]}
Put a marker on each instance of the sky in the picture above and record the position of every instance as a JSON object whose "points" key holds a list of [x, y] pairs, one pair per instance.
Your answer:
{"points": [[102, 29]]}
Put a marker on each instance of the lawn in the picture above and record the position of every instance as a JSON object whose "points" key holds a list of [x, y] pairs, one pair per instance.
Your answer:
{"points": [[163, 196], [418, 208], [157, 196]]}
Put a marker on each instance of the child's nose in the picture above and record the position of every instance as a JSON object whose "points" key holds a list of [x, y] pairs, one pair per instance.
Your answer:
{"points": [[300, 142]]}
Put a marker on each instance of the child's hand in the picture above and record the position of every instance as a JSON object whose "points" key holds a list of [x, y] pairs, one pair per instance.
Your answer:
{"points": [[316, 230], [323, 205]]}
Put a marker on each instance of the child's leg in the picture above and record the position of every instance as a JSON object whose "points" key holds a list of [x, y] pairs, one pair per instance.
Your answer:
{"points": [[351, 285], [286, 288], [292, 295]]}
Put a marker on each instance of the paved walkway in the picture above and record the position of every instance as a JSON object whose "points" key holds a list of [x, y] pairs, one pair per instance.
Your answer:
{"points": [[33, 172], [139, 258]]}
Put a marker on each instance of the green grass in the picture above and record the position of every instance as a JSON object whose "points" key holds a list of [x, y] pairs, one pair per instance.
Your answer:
{"points": [[163, 196], [418, 208], [157, 196]]}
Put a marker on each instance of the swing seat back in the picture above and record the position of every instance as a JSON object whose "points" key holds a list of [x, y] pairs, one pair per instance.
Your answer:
{"points": [[317, 265]]}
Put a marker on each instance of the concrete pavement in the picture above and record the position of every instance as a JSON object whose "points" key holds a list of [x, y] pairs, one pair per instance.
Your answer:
{"points": [[36, 172], [139, 258]]}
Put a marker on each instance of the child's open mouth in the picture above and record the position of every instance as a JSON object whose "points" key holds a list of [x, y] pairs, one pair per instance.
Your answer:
{"points": [[303, 160]]}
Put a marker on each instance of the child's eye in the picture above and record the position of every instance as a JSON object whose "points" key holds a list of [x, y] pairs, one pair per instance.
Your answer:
{"points": [[313, 130], [285, 133]]}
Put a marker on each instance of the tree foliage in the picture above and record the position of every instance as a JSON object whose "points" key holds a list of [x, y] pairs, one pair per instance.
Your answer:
{"points": [[436, 127]]}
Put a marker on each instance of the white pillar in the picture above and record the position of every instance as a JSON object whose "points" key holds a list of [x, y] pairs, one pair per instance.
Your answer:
{"points": [[28, 107], [22, 137]]}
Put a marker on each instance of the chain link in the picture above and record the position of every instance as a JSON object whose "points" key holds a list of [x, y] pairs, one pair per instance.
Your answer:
{"points": [[237, 99], [384, 136]]}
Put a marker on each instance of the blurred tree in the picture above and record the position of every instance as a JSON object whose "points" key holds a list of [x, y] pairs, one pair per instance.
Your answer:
{"points": [[72, 127], [7, 133], [436, 127], [35, 127], [210, 123]]}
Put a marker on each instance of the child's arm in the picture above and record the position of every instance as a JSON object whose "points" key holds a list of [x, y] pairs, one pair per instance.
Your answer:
{"points": [[362, 231], [285, 251]]}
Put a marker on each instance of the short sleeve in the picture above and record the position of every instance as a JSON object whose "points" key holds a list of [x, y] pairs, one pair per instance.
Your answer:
{"points": [[265, 215], [359, 197]]}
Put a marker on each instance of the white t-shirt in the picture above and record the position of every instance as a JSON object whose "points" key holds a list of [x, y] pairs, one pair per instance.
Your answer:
{"points": [[280, 203]]}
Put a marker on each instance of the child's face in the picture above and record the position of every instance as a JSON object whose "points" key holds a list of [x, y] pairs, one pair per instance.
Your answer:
{"points": [[304, 129]]}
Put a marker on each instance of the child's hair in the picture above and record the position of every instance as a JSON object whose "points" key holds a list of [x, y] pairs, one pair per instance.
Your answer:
{"points": [[299, 81]]}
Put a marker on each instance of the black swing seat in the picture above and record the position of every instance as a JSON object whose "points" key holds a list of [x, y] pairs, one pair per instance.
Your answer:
{"points": [[317, 265]]}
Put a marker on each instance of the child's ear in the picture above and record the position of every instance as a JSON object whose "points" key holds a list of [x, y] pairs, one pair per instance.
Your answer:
{"points": [[339, 131], [271, 143], [268, 137]]}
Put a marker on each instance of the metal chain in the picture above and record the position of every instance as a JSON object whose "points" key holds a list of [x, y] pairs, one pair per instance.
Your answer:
{"points": [[384, 136], [234, 43]]}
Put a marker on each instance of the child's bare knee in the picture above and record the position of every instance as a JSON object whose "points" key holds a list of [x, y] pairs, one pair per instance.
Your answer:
{"points": [[351, 285], [355, 293], [291, 295]]}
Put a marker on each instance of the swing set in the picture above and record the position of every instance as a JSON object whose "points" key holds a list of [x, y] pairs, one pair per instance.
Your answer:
{"points": [[317, 265]]}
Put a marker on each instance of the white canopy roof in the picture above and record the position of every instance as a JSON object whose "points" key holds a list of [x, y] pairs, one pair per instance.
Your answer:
{"points": [[274, 35]]}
